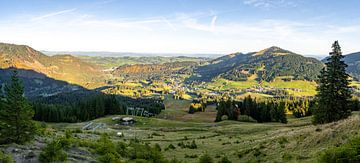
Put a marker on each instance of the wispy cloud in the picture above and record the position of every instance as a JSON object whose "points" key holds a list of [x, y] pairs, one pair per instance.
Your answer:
{"points": [[193, 32], [266, 4], [171, 25], [213, 22], [52, 14]]}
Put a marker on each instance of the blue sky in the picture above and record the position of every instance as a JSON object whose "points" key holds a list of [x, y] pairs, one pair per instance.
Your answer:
{"points": [[181, 26]]}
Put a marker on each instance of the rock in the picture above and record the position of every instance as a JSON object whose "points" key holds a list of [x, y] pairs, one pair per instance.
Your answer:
{"points": [[15, 150], [30, 155]]}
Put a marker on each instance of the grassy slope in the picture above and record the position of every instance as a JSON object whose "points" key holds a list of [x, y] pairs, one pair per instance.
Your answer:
{"points": [[307, 88], [297, 141]]}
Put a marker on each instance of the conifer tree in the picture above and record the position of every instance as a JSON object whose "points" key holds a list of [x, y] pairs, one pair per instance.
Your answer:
{"points": [[16, 115], [334, 94]]}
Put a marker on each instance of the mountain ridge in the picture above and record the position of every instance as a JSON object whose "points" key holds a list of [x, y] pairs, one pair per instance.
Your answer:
{"points": [[267, 64], [60, 67]]}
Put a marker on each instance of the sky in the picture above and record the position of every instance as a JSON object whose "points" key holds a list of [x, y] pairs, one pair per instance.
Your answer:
{"points": [[182, 26]]}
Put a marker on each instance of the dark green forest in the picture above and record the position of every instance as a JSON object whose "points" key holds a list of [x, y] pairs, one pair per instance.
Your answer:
{"points": [[87, 105]]}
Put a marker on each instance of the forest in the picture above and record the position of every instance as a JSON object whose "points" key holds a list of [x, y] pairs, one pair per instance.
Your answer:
{"points": [[88, 105]]}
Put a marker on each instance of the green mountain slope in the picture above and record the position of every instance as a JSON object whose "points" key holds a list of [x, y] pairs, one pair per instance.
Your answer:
{"points": [[353, 61], [60, 67], [267, 64], [154, 71]]}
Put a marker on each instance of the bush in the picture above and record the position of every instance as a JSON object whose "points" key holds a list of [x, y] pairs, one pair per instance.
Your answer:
{"points": [[157, 147], [53, 152], [224, 160], [121, 149], [171, 146], [191, 156], [192, 145], [182, 145], [349, 152], [5, 158], [108, 157], [67, 140], [144, 151], [106, 149], [282, 141], [196, 107], [205, 159]]}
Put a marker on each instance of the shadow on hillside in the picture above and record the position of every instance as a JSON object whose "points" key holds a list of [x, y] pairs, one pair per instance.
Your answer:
{"points": [[39, 86]]}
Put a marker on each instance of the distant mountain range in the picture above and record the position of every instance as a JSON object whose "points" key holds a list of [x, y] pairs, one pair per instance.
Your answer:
{"points": [[265, 64], [129, 54], [66, 72]]}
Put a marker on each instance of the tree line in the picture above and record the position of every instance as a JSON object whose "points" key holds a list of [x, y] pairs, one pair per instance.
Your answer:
{"points": [[91, 108], [84, 106], [271, 110]]}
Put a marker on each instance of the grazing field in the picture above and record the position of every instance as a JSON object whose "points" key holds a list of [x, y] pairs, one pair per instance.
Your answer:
{"points": [[306, 88], [297, 141], [293, 87], [178, 110], [224, 84]]}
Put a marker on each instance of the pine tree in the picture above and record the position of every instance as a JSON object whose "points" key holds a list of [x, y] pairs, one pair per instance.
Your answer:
{"points": [[334, 94], [16, 115]]}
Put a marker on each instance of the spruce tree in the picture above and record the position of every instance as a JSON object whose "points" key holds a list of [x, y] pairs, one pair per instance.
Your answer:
{"points": [[16, 114], [334, 94]]}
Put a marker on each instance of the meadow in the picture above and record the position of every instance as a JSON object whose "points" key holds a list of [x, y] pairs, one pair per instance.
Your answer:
{"points": [[296, 141]]}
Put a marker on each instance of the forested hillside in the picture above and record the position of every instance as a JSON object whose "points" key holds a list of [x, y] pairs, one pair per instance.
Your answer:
{"points": [[267, 64], [154, 71], [353, 62]]}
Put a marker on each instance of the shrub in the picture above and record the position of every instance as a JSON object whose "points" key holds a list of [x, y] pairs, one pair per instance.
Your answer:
{"points": [[191, 156], [282, 141], [224, 160], [67, 140], [5, 158], [182, 145], [144, 151], [106, 149], [287, 156], [157, 147], [349, 152], [205, 159], [108, 157], [192, 145], [171, 146], [156, 134], [244, 152], [196, 107], [53, 152], [121, 149], [226, 143]]}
